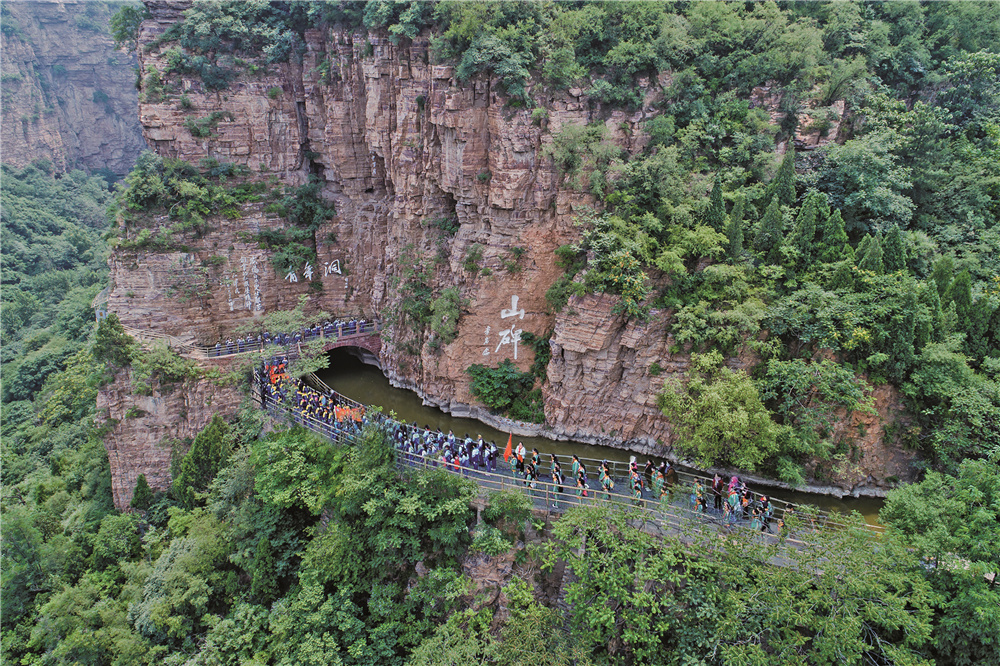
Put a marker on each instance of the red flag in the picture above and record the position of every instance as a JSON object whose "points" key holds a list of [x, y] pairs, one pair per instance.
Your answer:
{"points": [[508, 451]]}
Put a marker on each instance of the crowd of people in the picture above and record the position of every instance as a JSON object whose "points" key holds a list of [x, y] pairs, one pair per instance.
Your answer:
{"points": [[262, 339], [336, 417], [329, 413]]}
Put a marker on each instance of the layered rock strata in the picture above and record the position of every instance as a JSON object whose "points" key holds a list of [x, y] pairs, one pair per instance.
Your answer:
{"points": [[401, 145], [68, 96]]}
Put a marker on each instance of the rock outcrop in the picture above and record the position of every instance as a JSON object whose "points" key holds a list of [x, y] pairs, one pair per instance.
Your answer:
{"points": [[68, 95], [145, 430], [399, 145]]}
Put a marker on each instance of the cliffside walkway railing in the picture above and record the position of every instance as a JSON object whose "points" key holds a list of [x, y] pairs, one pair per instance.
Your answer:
{"points": [[545, 495], [342, 337], [670, 516]]}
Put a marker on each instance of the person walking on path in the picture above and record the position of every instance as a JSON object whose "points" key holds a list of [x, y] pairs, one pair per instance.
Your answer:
{"points": [[717, 487]]}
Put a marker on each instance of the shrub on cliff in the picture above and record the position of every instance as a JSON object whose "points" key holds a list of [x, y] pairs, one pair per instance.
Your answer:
{"points": [[507, 390]]}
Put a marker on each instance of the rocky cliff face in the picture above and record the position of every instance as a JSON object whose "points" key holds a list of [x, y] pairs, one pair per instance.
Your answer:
{"points": [[145, 430], [397, 144], [68, 96]]}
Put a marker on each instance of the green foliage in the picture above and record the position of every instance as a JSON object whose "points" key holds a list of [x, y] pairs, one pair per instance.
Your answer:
{"points": [[295, 468], [142, 494], [445, 312], [473, 257], [185, 193], [507, 390], [584, 150], [306, 210], [209, 453], [810, 397], [125, 26], [162, 366], [489, 541], [116, 541], [633, 598], [508, 510], [264, 584], [950, 522], [962, 406], [832, 246], [847, 599], [203, 128], [719, 415], [771, 234], [782, 187], [543, 352]]}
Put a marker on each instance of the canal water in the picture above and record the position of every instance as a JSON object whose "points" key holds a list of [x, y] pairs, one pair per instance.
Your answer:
{"points": [[366, 384]]}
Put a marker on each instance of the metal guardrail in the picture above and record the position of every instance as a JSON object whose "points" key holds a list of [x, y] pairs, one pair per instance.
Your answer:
{"points": [[203, 352], [620, 469], [668, 515]]}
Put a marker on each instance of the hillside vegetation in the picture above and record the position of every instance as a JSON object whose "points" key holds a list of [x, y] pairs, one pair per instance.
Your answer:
{"points": [[872, 259]]}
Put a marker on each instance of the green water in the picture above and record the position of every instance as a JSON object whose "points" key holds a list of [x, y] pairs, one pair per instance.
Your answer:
{"points": [[365, 383]]}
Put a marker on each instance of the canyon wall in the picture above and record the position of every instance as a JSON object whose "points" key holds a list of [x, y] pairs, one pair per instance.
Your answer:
{"points": [[399, 144], [67, 95]]}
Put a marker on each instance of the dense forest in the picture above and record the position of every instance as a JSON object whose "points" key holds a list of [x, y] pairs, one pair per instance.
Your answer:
{"points": [[870, 260]]}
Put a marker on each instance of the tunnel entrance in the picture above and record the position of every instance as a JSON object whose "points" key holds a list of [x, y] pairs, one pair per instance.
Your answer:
{"points": [[343, 359]]}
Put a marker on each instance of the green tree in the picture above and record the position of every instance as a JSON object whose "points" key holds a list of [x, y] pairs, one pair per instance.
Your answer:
{"points": [[770, 235], [633, 598], [125, 24], [950, 522], [782, 186], [894, 252], [838, 601], [833, 244], [718, 415], [142, 495], [942, 275], [960, 293], [112, 345], [264, 576], [870, 254], [804, 234], [208, 454], [734, 235], [715, 216], [117, 541], [295, 468]]}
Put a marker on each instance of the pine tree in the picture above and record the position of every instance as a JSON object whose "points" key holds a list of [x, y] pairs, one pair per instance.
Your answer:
{"points": [[944, 269], [734, 228], [900, 337], [977, 338], [209, 453], [871, 256], [782, 187], [112, 344], [843, 277], [894, 253], [770, 234], [960, 293], [931, 328], [833, 245], [142, 496], [803, 238], [264, 581], [716, 215]]}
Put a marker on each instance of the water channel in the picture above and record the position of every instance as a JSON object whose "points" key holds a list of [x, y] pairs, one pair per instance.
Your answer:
{"points": [[366, 384]]}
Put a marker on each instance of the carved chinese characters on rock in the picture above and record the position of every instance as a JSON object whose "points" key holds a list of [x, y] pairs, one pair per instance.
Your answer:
{"points": [[509, 334], [243, 291]]}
